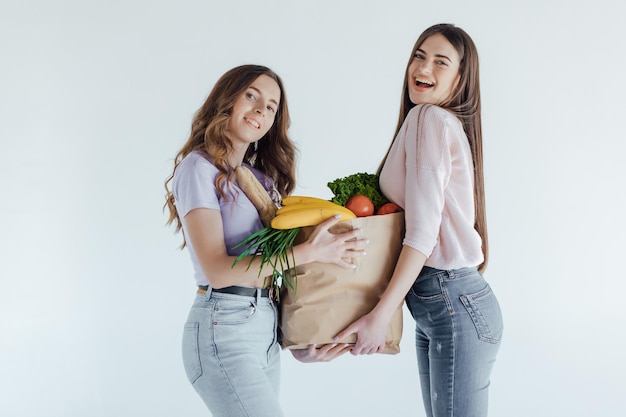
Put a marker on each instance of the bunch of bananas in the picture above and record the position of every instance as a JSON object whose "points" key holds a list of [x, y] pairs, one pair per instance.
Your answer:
{"points": [[300, 211], [274, 243]]}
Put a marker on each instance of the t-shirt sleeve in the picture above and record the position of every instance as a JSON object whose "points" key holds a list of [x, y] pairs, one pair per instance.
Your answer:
{"points": [[194, 186], [428, 166]]}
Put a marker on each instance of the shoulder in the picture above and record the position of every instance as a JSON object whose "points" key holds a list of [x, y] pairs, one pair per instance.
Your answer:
{"points": [[195, 168], [435, 121], [196, 160], [429, 113], [196, 164]]}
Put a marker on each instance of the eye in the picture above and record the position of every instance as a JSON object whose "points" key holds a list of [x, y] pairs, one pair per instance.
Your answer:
{"points": [[418, 56], [250, 96], [442, 63], [272, 109]]}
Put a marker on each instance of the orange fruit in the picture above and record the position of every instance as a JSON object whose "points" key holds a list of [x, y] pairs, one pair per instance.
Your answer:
{"points": [[360, 205], [388, 208]]}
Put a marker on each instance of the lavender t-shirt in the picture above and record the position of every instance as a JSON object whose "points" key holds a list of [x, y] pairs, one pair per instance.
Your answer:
{"points": [[194, 187]]}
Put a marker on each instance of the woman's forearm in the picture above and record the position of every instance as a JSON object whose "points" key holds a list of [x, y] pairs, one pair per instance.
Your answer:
{"points": [[204, 229], [410, 263]]}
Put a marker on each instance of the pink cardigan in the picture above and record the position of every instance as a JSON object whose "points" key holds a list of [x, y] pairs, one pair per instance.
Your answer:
{"points": [[431, 178]]}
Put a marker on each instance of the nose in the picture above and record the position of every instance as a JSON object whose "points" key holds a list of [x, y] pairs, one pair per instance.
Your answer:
{"points": [[259, 111], [426, 67]]}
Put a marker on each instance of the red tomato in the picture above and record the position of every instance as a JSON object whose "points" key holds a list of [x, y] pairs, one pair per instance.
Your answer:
{"points": [[388, 208], [360, 205]]}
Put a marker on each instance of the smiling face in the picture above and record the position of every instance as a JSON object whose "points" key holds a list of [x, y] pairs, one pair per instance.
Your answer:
{"points": [[434, 71], [253, 112]]}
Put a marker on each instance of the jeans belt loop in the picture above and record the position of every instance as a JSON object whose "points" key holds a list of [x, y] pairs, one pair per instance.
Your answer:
{"points": [[205, 289]]}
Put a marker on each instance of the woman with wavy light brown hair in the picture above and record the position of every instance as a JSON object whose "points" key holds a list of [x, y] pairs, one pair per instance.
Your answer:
{"points": [[230, 348], [434, 171]]}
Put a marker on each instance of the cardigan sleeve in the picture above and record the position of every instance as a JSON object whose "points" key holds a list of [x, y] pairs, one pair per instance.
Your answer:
{"points": [[428, 167]]}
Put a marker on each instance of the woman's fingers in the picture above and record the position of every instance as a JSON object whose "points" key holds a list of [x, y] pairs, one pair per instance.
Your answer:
{"points": [[330, 222], [325, 353]]}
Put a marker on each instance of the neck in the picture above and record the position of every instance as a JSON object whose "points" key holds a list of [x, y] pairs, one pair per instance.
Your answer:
{"points": [[236, 158]]}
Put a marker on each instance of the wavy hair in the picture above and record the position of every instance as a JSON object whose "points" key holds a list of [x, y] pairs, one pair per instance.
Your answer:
{"points": [[274, 154], [465, 103]]}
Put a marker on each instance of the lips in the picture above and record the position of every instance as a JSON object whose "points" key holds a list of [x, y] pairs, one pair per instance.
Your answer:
{"points": [[423, 83], [252, 122]]}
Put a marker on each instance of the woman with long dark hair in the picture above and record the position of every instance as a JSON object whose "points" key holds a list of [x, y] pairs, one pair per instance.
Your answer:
{"points": [[434, 171]]}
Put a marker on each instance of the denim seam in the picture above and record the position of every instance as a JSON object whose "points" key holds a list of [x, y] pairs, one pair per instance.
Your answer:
{"points": [[195, 327], [275, 339], [444, 294], [226, 376], [451, 401], [442, 279], [230, 384]]}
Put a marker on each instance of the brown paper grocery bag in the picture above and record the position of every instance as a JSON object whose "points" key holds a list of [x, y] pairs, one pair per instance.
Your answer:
{"points": [[329, 298]]}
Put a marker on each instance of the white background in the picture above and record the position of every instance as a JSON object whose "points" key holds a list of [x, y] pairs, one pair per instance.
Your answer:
{"points": [[97, 97]]}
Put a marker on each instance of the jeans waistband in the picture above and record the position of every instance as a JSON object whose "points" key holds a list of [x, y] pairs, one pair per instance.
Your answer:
{"points": [[452, 273], [236, 290]]}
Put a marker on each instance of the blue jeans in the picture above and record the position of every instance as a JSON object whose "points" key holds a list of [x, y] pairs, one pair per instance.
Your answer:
{"points": [[231, 354], [457, 336]]}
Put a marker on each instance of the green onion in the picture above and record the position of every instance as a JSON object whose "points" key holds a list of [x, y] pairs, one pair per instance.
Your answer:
{"points": [[273, 246]]}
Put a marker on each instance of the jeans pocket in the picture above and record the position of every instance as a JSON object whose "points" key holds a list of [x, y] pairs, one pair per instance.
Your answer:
{"points": [[191, 351], [233, 312], [485, 313]]}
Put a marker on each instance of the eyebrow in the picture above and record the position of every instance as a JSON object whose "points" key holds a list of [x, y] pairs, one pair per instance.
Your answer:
{"points": [[436, 55], [259, 91]]}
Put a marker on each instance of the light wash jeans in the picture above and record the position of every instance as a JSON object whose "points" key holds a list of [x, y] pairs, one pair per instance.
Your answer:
{"points": [[231, 354], [457, 336]]}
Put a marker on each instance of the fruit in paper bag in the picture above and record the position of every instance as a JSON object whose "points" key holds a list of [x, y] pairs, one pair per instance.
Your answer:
{"points": [[360, 205], [309, 215], [388, 208]]}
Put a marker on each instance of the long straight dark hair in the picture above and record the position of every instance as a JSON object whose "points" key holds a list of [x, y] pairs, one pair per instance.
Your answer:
{"points": [[464, 102]]}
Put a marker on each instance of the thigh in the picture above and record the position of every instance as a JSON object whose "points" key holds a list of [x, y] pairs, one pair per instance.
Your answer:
{"points": [[422, 347], [430, 308], [232, 356], [459, 326], [478, 327]]}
